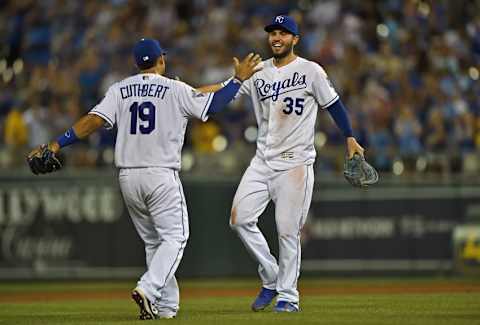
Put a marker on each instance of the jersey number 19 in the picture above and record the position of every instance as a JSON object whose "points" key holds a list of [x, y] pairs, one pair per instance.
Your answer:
{"points": [[146, 113]]}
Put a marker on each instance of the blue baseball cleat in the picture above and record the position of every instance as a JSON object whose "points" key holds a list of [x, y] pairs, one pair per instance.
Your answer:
{"points": [[264, 299], [286, 307]]}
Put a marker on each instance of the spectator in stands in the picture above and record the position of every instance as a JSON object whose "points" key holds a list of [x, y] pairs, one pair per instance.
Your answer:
{"points": [[408, 131], [16, 136], [380, 54]]}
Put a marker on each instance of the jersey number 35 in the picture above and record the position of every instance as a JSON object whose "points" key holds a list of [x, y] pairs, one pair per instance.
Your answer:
{"points": [[297, 108]]}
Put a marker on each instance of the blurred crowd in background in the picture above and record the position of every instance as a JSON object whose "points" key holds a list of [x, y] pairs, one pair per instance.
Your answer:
{"points": [[408, 71]]}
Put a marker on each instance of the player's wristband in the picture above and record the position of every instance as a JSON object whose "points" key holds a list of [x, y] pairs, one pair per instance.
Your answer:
{"points": [[67, 138]]}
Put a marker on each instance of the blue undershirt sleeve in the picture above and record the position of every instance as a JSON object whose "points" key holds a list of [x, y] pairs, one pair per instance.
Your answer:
{"points": [[340, 116], [223, 96]]}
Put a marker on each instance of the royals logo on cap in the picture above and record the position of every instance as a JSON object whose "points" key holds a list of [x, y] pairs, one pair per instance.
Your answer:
{"points": [[283, 22]]}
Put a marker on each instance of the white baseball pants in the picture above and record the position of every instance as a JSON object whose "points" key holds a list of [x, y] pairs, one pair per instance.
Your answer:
{"points": [[291, 191], [156, 204]]}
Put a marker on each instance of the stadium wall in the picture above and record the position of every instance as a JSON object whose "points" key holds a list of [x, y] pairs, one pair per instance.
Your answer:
{"points": [[74, 225]]}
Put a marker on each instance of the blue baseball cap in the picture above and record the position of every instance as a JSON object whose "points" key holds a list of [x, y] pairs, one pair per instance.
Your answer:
{"points": [[146, 52], [283, 22]]}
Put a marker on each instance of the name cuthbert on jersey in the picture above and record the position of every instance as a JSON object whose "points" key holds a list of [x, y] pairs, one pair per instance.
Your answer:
{"points": [[266, 90], [143, 90]]}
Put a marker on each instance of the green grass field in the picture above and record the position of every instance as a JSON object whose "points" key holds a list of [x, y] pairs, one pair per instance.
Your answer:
{"points": [[333, 301]]}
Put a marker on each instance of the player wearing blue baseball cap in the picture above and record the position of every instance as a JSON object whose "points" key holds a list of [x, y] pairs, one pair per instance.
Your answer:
{"points": [[286, 23], [151, 113], [146, 52], [283, 35], [290, 90]]}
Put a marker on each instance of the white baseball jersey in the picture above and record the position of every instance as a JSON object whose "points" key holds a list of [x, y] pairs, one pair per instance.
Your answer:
{"points": [[151, 113], [286, 102]]}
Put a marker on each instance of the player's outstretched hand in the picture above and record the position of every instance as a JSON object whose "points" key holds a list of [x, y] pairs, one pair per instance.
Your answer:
{"points": [[247, 67]]}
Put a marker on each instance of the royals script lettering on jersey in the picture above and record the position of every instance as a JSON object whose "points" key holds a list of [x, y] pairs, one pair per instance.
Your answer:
{"points": [[286, 102], [151, 113]]}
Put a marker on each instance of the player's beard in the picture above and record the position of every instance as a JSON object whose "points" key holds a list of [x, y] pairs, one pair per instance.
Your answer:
{"points": [[284, 53]]}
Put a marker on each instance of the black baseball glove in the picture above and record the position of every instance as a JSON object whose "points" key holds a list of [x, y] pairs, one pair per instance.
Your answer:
{"points": [[358, 172], [42, 160]]}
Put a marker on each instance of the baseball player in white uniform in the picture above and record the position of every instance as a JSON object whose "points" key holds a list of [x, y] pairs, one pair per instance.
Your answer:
{"points": [[151, 113], [286, 96]]}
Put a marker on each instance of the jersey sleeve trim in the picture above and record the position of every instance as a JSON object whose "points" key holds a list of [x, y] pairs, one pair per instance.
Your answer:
{"points": [[331, 102], [204, 115], [224, 83], [104, 117]]}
